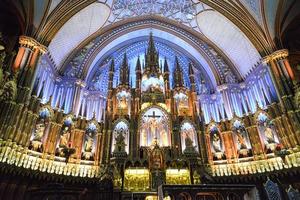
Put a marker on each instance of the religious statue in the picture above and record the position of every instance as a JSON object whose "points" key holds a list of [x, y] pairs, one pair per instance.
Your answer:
{"points": [[156, 158], [120, 141], [241, 139], [216, 143], [122, 102], [38, 134], [88, 147], [269, 135], [189, 144], [64, 138], [64, 141]]}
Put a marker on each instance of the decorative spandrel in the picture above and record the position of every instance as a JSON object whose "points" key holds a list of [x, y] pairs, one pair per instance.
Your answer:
{"points": [[154, 126]]}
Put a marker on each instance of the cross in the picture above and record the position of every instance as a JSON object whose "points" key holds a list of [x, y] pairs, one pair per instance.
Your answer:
{"points": [[153, 115]]}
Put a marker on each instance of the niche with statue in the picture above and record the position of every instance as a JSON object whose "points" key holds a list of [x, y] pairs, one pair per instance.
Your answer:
{"points": [[64, 142], [267, 132], [88, 149], [40, 130], [241, 139], [216, 142]]}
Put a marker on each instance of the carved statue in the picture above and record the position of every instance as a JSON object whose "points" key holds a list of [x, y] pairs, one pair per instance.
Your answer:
{"points": [[64, 138], [156, 158], [269, 135], [88, 146], [39, 132], [122, 102], [189, 144], [120, 141], [216, 142], [241, 139]]}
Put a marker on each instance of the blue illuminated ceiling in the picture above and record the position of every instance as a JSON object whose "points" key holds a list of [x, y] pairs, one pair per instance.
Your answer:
{"points": [[99, 79]]}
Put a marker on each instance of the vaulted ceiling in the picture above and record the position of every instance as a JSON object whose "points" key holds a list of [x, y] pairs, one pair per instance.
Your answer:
{"points": [[239, 32]]}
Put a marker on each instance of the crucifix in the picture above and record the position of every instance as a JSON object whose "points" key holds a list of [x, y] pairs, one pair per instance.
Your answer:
{"points": [[153, 125], [153, 115]]}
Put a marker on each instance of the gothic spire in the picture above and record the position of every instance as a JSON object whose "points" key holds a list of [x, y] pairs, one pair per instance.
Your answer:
{"points": [[166, 66], [124, 71], [178, 74], [111, 74], [138, 65], [152, 62], [112, 65], [192, 78]]}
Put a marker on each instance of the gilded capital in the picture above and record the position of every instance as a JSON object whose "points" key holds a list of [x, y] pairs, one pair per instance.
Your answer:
{"points": [[280, 54], [31, 43]]}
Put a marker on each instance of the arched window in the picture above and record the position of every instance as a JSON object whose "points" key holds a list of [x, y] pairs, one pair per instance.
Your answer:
{"points": [[154, 126], [120, 139], [188, 135]]}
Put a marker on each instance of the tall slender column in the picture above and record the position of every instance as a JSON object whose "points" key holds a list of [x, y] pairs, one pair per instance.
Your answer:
{"points": [[224, 90], [79, 85], [26, 63]]}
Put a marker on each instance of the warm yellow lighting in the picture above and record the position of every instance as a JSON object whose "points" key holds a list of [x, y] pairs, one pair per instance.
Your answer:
{"points": [[175, 176], [167, 198], [151, 197], [137, 179]]}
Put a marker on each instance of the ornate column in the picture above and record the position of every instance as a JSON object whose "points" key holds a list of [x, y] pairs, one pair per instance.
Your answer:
{"points": [[79, 85], [224, 90], [26, 65], [283, 77]]}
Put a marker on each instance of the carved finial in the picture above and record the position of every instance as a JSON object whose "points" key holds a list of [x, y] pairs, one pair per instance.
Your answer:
{"points": [[94, 115], [50, 100], [211, 117]]}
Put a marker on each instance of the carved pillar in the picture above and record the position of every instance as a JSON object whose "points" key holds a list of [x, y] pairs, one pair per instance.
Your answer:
{"points": [[224, 90], [254, 137], [50, 145], [79, 85], [77, 140], [283, 77], [26, 63], [98, 149], [230, 149]]}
